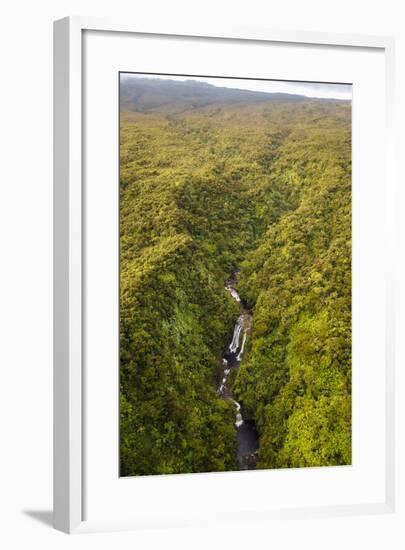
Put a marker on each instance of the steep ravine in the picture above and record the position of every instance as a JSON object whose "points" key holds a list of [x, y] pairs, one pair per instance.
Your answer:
{"points": [[246, 432]]}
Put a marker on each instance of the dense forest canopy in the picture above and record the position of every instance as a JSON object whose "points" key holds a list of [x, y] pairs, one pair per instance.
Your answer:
{"points": [[210, 182]]}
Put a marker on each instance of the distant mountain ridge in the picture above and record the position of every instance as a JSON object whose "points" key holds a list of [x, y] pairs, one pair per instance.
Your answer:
{"points": [[150, 94]]}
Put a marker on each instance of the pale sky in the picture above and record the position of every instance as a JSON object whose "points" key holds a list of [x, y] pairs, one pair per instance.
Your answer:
{"points": [[309, 89]]}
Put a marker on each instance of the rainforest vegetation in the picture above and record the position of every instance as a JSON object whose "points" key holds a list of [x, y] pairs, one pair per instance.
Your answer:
{"points": [[213, 180]]}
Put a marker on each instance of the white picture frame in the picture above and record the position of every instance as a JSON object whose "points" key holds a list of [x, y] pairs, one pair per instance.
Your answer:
{"points": [[69, 336]]}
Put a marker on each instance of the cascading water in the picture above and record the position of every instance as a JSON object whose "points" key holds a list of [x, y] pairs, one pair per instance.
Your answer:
{"points": [[236, 333], [233, 348], [246, 433], [239, 357], [233, 292], [239, 419]]}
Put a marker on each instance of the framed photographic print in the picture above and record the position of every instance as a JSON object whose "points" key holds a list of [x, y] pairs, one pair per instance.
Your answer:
{"points": [[223, 302]]}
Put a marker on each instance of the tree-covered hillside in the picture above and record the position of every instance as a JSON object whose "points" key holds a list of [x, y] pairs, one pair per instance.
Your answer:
{"points": [[263, 186], [145, 95]]}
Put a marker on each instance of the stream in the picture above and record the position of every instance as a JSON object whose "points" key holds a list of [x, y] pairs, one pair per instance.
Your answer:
{"points": [[246, 432]]}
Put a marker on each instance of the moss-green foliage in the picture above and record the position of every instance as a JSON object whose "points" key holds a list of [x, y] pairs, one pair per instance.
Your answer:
{"points": [[261, 186]]}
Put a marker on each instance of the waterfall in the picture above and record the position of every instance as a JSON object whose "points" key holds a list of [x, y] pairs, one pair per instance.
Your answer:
{"points": [[230, 362], [233, 348], [239, 419], [235, 340], [233, 292], [239, 357]]}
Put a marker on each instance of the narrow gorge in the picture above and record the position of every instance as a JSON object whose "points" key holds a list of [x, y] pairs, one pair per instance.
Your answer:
{"points": [[247, 437]]}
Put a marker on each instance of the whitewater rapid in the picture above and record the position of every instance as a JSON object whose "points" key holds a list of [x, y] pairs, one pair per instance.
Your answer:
{"points": [[245, 428], [235, 357]]}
